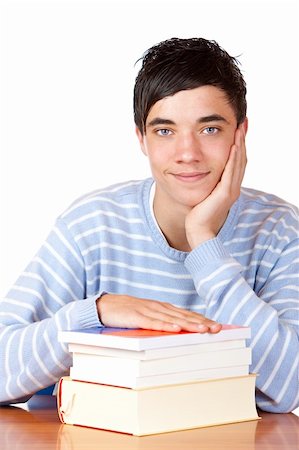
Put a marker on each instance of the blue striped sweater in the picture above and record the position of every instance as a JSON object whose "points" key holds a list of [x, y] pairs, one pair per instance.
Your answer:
{"points": [[109, 241]]}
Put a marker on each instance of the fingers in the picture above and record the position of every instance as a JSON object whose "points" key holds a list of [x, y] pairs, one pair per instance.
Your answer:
{"points": [[166, 324], [132, 312], [235, 167], [240, 149], [179, 318]]}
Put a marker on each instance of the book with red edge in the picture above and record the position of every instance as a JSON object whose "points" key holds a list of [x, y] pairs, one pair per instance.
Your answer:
{"points": [[140, 339]]}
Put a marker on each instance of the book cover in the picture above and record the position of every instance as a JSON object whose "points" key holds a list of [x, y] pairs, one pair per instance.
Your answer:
{"points": [[140, 339], [159, 409]]}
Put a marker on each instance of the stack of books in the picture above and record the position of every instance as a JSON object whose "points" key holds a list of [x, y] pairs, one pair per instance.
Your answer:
{"points": [[145, 382]]}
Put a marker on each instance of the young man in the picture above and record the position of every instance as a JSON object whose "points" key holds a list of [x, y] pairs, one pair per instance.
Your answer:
{"points": [[186, 249]]}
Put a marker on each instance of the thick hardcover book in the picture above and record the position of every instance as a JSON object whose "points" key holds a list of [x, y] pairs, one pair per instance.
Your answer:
{"points": [[158, 409], [139, 339]]}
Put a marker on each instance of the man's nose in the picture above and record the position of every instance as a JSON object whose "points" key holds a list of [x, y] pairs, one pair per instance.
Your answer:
{"points": [[188, 149]]}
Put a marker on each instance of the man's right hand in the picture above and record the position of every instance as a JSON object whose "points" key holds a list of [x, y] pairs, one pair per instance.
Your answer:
{"points": [[125, 311]]}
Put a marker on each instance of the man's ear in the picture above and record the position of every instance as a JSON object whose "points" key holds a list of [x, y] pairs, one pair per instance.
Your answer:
{"points": [[140, 137], [245, 125]]}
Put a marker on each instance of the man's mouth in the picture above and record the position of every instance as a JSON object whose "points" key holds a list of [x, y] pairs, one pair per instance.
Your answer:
{"points": [[190, 177]]}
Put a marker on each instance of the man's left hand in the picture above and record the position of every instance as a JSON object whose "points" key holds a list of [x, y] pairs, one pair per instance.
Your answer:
{"points": [[205, 219]]}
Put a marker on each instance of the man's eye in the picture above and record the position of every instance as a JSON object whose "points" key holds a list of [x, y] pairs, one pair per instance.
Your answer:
{"points": [[164, 132], [210, 130]]}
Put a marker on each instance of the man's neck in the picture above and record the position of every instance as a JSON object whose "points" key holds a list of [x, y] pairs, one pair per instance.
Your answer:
{"points": [[172, 225]]}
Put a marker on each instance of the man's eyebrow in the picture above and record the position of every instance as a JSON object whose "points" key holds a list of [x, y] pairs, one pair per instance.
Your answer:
{"points": [[160, 121], [212, 118], [205, 119]]}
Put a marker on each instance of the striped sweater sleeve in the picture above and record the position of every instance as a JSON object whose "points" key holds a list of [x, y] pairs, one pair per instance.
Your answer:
{"points": [[43, 301], [270, 307]]}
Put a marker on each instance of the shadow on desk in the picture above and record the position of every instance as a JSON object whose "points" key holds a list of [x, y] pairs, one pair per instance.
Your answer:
{"points": [[39, 428]]}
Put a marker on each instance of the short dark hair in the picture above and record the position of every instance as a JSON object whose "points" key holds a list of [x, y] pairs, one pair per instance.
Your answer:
{"points": [[179, 64]]}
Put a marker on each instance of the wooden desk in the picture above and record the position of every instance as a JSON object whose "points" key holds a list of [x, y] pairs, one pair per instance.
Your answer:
{"points": [[39, 428]]}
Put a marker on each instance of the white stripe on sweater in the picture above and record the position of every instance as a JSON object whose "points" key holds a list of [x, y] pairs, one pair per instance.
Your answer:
{"points": [[68, 246], [63, 263], [55, 276], [148, 287], [278, 362], [102, 212], [138, 269], [96, 230]]}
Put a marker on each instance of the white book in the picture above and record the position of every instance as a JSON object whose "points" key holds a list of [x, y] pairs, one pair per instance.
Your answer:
{"points": [[139, 368], [157, 353], [139, 339], [84, 373], [158, 409]]}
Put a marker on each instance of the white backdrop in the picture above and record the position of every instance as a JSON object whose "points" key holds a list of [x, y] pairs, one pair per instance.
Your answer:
{"points": [[67, 75]]}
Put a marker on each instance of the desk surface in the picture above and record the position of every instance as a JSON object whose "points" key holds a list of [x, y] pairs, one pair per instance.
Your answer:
{"points": [[39, 428]]}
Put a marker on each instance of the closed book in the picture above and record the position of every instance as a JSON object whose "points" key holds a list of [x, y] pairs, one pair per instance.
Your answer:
{"points": [[159, 409], [156, 353], [95, 375], [139, 339], [139, 368]]}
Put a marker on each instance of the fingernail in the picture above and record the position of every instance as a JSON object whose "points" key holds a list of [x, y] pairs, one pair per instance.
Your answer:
{"points": [[215, 327], [202, 327]]}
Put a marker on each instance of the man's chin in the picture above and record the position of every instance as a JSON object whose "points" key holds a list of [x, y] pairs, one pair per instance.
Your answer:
{"points": [[193, 200]]}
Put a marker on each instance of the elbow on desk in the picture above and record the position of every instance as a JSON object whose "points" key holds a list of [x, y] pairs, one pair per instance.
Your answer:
{"points": [[13, 401], [287, 404]]}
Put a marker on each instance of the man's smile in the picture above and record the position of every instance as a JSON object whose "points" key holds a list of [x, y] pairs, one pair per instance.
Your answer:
{"points": [[190, 177]]}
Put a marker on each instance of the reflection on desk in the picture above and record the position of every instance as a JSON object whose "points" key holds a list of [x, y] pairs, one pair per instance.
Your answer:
{"points": [[39, 428]]}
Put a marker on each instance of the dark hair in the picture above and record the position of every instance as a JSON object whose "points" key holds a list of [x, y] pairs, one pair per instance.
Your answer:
{"points": [[179, 64]]}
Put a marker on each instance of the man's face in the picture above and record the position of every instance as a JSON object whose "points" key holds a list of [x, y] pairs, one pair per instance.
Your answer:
{"points": [[188, 138]]}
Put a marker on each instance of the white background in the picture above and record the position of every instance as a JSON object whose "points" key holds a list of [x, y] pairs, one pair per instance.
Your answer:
{"points": [[67, 76]]}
